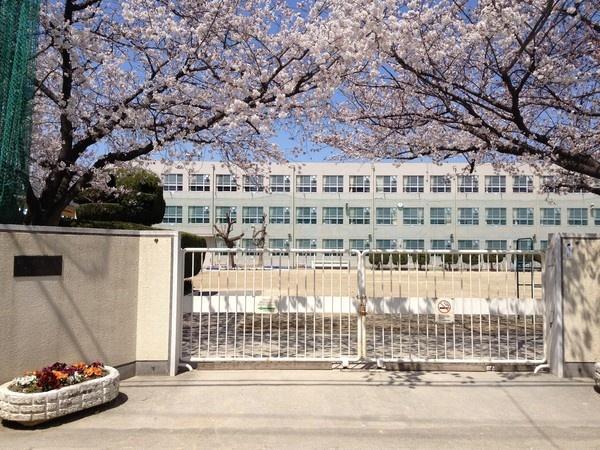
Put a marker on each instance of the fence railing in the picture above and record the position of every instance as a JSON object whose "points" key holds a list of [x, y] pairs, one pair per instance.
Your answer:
{"points": [[323, 304]]}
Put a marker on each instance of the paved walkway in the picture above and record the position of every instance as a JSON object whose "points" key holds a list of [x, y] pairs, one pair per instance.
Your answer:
{"points": [[331, 409]]}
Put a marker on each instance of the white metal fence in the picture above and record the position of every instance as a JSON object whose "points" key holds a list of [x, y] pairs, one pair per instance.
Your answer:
{"points": [[332, 305]]}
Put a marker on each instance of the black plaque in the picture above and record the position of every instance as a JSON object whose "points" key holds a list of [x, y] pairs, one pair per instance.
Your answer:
{"points": [[38, 266]]}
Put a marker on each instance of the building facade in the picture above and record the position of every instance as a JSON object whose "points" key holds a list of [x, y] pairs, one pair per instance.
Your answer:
{"points": [[373, 205]]}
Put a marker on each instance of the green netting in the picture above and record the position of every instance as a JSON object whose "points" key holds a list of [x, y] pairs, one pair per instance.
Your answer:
{"points": [[18, 28]]}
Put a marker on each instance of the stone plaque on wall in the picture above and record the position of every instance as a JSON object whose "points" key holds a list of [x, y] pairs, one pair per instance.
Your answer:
{"points": [[37, 266]]}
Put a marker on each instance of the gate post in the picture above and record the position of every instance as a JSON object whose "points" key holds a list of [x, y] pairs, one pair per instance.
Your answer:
{"points": [[362, 307]]}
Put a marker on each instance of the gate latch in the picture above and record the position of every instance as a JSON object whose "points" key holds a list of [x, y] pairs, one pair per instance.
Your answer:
{"points": [[362, 307]]}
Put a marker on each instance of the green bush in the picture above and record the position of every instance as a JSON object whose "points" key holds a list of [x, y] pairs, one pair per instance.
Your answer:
{"points": [[521, 260], [450, 258], [142, 202], [105, 212], [470, 259], [108, 225], [378, 260], [421, 259], [399, 259], [494, 258]]}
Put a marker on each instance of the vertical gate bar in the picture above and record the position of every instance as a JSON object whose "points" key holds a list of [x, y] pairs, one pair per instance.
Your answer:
{"points": [[208, 327], [218, 321], [227, 310], [235, 317], [200, 340], [245, 269]]}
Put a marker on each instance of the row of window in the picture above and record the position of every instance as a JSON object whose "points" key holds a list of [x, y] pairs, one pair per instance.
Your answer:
{"points": [[388, 244], [357, 183], [383, 216]]}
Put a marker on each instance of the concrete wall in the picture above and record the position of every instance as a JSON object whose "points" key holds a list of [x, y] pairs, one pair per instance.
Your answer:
{"points": [[572, 294], [112, 301]]}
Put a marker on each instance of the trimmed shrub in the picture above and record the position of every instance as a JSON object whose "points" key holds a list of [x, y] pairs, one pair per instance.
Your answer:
{"points": [[493, 258], [470, 259], [113, 225], [399, 259], [421, 259], [378, 260], [105, 212], [450, 258]]}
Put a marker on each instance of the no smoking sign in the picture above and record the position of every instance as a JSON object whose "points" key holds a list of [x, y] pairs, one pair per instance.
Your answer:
{"points": [[444, 310]]}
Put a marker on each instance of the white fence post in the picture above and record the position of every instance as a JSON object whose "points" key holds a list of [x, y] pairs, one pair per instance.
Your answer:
{"points": [[362, 306]]}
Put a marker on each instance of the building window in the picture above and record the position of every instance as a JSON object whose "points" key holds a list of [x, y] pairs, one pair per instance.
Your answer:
{"points": [[441, 244], [440, 183], [333, 244], [279, 183], [252, 214], [496, 244], [199, 182], [333, 216], [468, 216], [173, 214], [522, 183], [359, 216], [333, 183], [413, 216], [440, 216], [495, 216], [306, 243], [467, 244], [386, 183], [413, 183], [468, 183], [223, 212], [550, 216], [543, 245], [596, 215], [385, 216], [226, 183], [281, 244], [306, 215], [495, 183], [198, 214], [306, 183], [386, 244], [249, 245], [577, 216], [254, 183], [414, 244], [279, 215], [360, 183], [172, 182], [359, 244], [522, 216]]}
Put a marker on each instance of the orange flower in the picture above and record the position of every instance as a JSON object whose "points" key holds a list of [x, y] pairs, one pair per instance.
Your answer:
{"points": [[92, 372], [80, 366], [60, 376]]}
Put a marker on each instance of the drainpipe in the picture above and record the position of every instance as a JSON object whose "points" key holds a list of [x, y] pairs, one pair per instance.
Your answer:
{"points": [[212, 206]]}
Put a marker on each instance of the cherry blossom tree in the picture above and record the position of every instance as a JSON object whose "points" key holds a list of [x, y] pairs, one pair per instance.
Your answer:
{"points": [[140, 79], [499, 81]]}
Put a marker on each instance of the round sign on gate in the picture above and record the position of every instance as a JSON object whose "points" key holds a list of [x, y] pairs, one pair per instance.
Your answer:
{"points": [[444, 310]]}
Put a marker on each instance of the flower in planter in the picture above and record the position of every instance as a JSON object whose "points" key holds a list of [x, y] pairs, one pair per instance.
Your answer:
{"points": [[56, 376]]}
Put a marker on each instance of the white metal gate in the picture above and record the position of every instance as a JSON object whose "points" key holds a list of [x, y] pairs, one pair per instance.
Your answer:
{"points": [[334, 305]]}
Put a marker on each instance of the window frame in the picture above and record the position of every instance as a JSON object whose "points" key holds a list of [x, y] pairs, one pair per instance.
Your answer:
{"points": [[276, 186], [530, 220], [312, 215], [251, 218], [493, 219], [583, 220], [495, 184], [355, 219], [363, 186], [472, 219], [178, 216], [447, 215], [419, 219], [385, 219], [326, 217], [199, 218], [195, 186], [550, 221], [223, 219], [437, 188], [301, 187], [390, 187], [275, 218], [471, 187], [168, 186], [409, 187], [230, 186], [335, 187], [523, 188], [253, 183]]}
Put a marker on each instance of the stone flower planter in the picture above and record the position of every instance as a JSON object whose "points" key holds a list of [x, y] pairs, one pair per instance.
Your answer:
{"points": [[31, 409]]}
